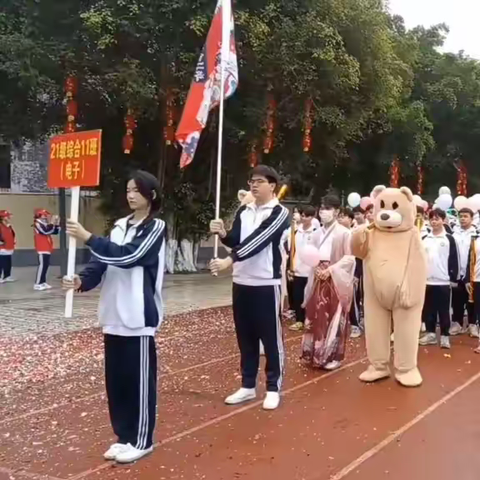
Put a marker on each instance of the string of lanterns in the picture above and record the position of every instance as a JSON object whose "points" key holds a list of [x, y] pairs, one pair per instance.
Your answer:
{"points": [[71, 90]]}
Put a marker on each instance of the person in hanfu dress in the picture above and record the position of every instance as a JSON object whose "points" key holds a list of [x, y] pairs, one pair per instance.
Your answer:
{"points": [[329, 293]]}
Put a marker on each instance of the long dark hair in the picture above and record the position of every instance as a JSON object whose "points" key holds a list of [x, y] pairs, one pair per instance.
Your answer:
{"points": [[149, 188]]}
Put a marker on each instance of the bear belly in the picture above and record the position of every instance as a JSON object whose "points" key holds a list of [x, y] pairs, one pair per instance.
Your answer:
{"points": [[385, 280]]}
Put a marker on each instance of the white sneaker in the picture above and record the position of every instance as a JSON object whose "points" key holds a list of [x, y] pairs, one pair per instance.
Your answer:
{"points": [[241, 396], [356, 332], [131, 454], [9, 280], [428, 339], [456, 329], [272, 401], [2, 280], [444, 342], [332, 365], [46, 286], [473, 331], [114, 450], [39, 288]]}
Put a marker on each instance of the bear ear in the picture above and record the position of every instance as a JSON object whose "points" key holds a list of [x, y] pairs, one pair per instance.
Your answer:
{"points": [[408, 193], [377, 191], [241, 195]]}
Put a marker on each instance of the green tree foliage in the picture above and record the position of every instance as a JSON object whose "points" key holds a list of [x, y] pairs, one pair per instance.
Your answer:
{"points": [[378, 90]]}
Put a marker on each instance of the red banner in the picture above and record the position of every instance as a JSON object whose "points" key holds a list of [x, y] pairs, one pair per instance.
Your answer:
{"points": [[75, 160]]}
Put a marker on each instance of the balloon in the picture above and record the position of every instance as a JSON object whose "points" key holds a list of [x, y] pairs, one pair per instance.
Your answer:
{"points": [[444, 202], [425, 205], [365, 202], [460, 202], [417, 200], [354, 200], [444, 191], [309, 255], [474, 202]]}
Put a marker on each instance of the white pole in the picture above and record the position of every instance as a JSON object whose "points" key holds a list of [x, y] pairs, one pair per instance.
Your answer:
{"points": [[225, 49], [72, 250]]}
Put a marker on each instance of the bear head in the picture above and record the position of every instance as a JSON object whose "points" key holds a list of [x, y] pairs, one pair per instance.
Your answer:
{"points": [[394, 210]]}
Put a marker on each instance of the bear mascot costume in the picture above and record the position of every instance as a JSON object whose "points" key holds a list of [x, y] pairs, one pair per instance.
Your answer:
{"points": [[395, 274]]}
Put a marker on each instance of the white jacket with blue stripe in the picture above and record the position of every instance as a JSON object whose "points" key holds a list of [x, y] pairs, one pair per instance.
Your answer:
{"points": [[131, 265]]}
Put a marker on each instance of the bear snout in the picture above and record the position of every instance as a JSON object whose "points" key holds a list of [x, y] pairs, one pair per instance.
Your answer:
{"points": [[384, 216]]}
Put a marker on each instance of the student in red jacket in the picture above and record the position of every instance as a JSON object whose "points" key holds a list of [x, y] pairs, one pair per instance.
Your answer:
{"points": [[7, 246], [43, 229]]}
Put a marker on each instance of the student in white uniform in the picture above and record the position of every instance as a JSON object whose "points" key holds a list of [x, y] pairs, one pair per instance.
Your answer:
{"points": [[463, 235], [442, 264]]}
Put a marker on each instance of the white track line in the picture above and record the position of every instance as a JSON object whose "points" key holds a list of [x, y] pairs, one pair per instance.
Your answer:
{"points": [[221, 418], [392, 437]]}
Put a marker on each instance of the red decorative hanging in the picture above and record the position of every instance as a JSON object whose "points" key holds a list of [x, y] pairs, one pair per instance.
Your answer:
{"points": [[307, 126], [462, 179], [419, 179], [395, 173], [130, 126], [253, 156], [71, 88], [169, 130], [269, 125]]}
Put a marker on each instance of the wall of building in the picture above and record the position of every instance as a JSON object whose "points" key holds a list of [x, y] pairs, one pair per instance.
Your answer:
{"points": [[22, 206]]}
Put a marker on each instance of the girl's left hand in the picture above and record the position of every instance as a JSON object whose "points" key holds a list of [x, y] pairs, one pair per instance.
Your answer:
{"points": [[76, 230]]}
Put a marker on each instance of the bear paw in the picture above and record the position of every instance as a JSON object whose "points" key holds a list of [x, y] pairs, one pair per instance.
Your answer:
{"points": [[372, 374], [412, 378]]}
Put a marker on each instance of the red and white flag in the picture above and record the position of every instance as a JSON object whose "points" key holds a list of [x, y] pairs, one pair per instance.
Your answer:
{"points": [[218, 53]]}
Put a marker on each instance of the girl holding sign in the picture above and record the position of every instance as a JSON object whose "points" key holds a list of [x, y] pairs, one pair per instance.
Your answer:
{"points": [[131, 264]]}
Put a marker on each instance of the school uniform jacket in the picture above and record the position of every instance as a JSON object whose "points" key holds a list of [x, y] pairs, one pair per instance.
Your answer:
{"points": [[131, 263], [442, 259], [464, 240], [255, 242]]}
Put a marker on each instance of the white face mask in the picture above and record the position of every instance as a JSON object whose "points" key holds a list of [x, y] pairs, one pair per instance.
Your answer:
{"points": [[326, 216]]}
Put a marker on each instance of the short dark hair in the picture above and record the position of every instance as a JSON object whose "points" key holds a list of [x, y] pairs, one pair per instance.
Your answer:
{"points": [[437, 213], [265, 171], [331, 201], [298, 208], [358, 209], [309, 211], [149, 188], [466, 210], [346, 212]]}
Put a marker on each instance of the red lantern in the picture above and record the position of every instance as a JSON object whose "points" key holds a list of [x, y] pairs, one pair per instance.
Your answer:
{"points": [[169, 134], [71, 87], [269, 125], [70, 127], [395, 173], [462, 179], [72, 110], [127, 144], [307, 140]]}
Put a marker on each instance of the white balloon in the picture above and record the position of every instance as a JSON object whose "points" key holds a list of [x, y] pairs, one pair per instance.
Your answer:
{"points": [[460, 202], [474, 202], [444, 191], [417, 200], [354, 199], [444, 202]]}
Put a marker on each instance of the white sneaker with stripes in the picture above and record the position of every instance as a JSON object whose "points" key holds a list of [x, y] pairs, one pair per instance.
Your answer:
{"points": [[131, 454], [114, 450]]}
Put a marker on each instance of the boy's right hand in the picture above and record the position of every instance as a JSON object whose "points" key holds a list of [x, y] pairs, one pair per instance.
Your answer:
{"points": [[69, 283], [217, 227]]}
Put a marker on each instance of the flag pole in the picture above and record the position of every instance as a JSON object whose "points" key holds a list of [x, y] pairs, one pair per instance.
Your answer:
{"points": [[226, 19]]}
